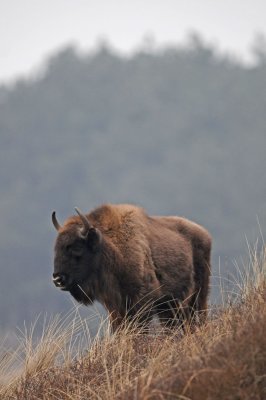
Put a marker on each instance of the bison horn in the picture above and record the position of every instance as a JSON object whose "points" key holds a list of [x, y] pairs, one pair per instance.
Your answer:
{"points": [[55, 222], [84, 219]]}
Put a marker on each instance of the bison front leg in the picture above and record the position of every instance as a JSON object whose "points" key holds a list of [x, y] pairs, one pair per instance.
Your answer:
{"points": [[116, 320], [133, 320]]}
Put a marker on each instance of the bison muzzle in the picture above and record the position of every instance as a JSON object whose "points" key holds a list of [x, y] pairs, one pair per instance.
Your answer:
{"points": [[134, 264]]}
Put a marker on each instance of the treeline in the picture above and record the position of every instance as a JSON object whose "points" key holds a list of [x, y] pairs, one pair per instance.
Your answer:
{"points": [[180, 131]]}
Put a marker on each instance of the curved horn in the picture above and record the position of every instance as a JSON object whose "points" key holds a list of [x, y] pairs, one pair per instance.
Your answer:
{"points": [[85, 221], [55, 222]]}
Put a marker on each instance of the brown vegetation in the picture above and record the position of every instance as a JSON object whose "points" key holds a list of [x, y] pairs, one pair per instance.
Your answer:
{"points": [[224, 359]]}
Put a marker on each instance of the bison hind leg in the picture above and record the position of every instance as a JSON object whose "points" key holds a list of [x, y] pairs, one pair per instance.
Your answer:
{"points": [[198, 307], [199, 300]]}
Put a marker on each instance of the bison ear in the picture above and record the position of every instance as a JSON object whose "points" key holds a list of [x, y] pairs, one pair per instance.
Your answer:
{"points": [[94, 239]]}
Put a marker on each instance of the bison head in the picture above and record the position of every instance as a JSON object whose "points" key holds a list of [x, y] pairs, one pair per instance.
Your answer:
{"points": [[77, 257]]}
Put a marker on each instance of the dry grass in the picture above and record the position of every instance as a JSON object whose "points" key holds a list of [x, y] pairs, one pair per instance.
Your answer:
{"points": [[225, 359]]}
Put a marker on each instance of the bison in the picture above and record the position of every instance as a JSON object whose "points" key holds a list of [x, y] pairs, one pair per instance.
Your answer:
{"points": [[134, 264]]}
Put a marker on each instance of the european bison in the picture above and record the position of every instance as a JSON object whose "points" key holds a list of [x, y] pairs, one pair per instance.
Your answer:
{"points": [[134, 264]]}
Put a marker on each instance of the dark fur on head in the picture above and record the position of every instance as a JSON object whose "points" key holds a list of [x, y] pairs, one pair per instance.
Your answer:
{"points": [[125, 259]]}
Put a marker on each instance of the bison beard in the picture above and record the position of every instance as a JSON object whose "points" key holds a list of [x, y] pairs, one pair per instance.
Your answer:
{"points": [[80, 295], [134, 264]]}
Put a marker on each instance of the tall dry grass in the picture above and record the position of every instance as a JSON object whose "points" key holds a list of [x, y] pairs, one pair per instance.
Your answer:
{"points": [[224, 359]]}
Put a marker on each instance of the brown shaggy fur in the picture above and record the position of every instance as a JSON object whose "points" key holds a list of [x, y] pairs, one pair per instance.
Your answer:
{"points": [[131, 261]]}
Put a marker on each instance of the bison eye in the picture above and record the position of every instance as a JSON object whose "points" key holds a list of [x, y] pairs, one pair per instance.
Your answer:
{"points": [[75, 250], [77, 253]]}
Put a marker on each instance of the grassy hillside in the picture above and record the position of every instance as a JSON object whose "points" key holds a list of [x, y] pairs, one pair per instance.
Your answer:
{"points": [[225, 359]]}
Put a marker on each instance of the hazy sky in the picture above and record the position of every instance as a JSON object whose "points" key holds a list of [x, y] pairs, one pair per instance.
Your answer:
{"points": [[32, 29]]}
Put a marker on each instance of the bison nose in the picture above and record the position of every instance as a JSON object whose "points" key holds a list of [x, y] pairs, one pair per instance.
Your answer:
{"points": [[60, 280]]}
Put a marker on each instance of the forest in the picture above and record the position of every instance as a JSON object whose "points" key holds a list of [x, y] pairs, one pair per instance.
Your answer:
{"points": [[178, 131]]}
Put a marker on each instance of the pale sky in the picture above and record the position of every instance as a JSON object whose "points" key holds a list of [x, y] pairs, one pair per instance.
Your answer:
{"points": [[30, 30]]}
